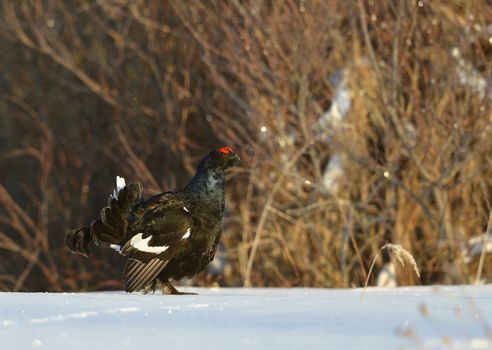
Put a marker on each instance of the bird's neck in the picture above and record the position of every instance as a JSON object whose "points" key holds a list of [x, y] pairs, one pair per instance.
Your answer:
{"points": [[208, 184]]}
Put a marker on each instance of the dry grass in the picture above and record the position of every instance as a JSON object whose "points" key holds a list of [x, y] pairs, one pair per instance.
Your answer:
{"points": [[486, 238], [400, 254]]}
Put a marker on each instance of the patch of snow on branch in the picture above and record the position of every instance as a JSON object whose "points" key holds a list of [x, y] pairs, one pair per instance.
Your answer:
{"points": [[387, 276], [341, 103], [474, 247], [469, 76], [329, 121]]}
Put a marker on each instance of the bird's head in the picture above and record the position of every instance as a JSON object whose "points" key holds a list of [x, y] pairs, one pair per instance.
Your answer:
{"points": [[220, 158]]}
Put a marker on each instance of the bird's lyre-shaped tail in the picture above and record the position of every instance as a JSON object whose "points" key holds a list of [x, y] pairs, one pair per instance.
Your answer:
{"points": [[111, 228]]}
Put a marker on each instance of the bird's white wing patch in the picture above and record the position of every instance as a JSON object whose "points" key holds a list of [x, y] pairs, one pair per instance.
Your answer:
{"points": [[120, 184], [139, 243], [115, 247], [186, 235]]}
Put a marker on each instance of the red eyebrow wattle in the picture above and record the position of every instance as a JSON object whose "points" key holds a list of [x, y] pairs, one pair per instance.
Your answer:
{"points": [[225, 150]]}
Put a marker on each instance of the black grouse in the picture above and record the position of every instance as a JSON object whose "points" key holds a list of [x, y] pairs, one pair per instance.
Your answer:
{"points": [[168, 236]]}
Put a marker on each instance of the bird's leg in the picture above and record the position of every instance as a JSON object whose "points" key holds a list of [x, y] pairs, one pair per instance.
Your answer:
{"points": [[168, 288], [151, 287]]}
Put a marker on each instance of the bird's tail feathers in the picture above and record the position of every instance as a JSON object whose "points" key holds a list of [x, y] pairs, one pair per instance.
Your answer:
{"points": [[111, 228], [78, 240]]}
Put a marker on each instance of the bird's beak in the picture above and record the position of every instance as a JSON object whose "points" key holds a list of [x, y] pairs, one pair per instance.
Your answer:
{"points": [[234, 160]]}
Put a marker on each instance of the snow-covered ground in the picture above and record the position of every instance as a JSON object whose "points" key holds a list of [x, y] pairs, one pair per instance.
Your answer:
{"points": [[398, 318]]}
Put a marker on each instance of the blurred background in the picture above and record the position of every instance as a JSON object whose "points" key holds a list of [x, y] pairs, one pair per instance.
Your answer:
{"points": [[358, 123]]}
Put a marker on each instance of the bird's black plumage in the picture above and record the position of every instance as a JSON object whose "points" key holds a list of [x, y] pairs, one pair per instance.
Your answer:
{"points": [[169, 236]]}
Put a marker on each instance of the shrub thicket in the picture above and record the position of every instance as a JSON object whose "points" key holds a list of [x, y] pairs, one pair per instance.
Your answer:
{"points": [[359, 123]]}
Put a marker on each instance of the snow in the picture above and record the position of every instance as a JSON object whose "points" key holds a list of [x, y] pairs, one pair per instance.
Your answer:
{"points": [[474, 246], [469, 76], [386, 318], [333, 172], [330, 121], [387, 276], [341, 104]]}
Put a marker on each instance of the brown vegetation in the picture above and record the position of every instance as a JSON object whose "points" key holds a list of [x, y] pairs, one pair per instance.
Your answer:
{"points": [[144, 88]]}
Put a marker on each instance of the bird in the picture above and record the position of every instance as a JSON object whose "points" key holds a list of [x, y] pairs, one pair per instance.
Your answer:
{"points": [[167, 237]]}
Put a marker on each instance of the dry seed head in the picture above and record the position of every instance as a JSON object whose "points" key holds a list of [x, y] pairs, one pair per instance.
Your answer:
{"points": [[402, 255]]}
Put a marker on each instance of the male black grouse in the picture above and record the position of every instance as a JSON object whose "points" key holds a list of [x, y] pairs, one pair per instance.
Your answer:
{"points": [[169, 236]]}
